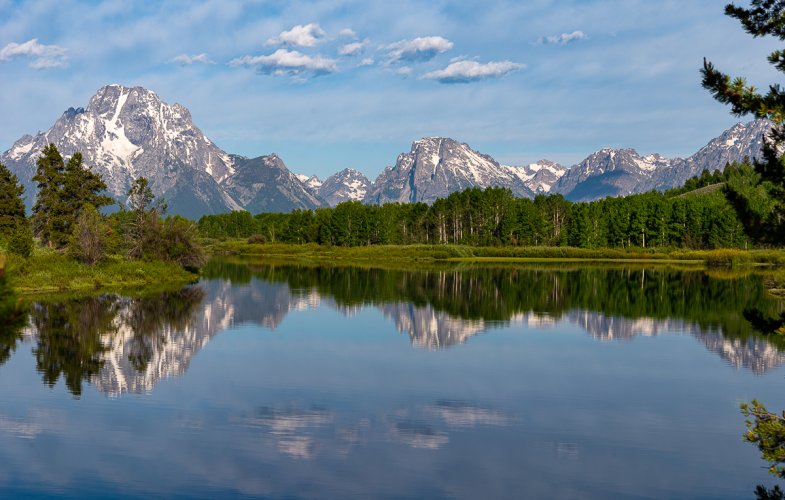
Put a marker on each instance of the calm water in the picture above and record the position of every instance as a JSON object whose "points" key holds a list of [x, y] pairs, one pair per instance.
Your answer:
{"points": [[468, 382]]}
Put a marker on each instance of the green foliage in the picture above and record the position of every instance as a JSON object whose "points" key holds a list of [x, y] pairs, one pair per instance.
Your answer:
{"points": [[180, 243], [174, 239], [48, 271], [766, 430], [62, 192], [12, 207], [89, 238], [493, 217], [763, 18]]}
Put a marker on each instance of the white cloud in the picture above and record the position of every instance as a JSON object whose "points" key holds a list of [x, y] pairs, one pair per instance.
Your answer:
{"points": [[418, 49], [348, 33], [563, 39], [368, 61], [186, 60], [46, 56], [472, 71], [404, 71], [287, 62], [307, 35], [352, 49]]}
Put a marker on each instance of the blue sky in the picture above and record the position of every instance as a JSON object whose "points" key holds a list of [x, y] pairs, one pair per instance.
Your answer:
{"points": [[351, 83]]}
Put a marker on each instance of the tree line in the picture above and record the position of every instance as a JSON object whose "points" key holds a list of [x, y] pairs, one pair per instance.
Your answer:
{"points": [[67, 217], [705, 213]]}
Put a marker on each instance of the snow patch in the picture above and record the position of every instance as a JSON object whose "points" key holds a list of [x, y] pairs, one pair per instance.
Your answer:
{"points": [[21, 150]]}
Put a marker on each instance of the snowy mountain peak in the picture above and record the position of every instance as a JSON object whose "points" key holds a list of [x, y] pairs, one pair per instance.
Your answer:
{"points": [[346, 185], [128, 132], [438, 166], [540, 176]]}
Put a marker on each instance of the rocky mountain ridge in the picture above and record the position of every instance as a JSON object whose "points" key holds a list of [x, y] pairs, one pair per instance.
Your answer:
{"points": [[128, 132]]}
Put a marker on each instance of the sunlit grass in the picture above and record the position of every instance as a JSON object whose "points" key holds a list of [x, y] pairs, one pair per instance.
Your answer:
{"points": [[48, 271]]}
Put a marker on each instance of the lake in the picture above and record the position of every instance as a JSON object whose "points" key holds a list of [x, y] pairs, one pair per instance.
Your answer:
{"points": [[466, 381]]}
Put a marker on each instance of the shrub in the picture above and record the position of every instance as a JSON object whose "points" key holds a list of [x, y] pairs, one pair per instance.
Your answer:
{"points": [[88, 240]]}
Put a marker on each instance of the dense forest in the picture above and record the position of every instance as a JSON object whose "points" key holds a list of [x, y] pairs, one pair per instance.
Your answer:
{"points": [[709, 211]]}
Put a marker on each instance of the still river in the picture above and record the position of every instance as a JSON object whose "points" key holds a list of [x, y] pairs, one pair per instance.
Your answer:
{"points": [[343, 382]]}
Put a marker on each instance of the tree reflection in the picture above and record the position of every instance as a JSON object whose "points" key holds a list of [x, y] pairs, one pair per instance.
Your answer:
{"points": [[13, 318], [501, 293], [69, 338], [73, 336]]}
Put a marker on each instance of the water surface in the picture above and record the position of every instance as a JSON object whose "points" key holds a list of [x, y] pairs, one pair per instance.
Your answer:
{"points": [[341, 382]]}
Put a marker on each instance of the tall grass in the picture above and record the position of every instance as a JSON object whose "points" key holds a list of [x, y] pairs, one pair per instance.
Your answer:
{"points": [[48, 271]]}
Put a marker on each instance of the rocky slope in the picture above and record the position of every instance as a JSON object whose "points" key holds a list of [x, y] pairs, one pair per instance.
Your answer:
{"points": [[127, 132], [346, 185], [540, 176], [618, 172], [436, 167]]}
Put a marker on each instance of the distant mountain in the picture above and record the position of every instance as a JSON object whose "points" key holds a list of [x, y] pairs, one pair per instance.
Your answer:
{"points": [[619, 172], [312, 183], [436, 167], [264, 184], [610, 172], [740, 141], [346, 185], [127, 132], [541, 176]]}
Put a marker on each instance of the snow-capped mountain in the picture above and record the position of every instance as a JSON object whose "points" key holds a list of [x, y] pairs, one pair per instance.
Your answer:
{"points": [[610, 172], [540, 176], [127, 132], [740, 141], [436, 167], [346, 185], [312, 183], [619, 172]]}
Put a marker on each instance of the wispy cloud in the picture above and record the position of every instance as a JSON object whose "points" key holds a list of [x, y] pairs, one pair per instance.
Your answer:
{"points": [[348, 33], [45, 56], [418, 49], [472, 71], [563, 39], [353, 49], [302, 35], [288, 62], [186, 60]]}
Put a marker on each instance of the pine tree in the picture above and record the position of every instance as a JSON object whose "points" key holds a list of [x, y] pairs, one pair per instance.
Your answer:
{"points": [[63, 189], [12, 207], [764, 17], [49, 210]]}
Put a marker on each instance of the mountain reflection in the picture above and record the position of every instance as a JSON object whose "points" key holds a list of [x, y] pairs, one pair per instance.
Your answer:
{"points": [[120, 344], [128, 344]]}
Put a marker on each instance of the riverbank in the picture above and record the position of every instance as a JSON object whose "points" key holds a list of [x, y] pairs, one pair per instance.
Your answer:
{"points": [[50, 272], [462, 253]]}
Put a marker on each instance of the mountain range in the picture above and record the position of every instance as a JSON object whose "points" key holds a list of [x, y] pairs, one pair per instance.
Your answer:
{"points": [[128, 132]]}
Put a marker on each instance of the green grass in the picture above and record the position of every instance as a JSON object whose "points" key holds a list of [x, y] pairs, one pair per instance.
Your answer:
{"points": [[463, 253], [48, 272]]}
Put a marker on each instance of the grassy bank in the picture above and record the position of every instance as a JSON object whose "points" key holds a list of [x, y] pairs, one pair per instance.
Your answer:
{"points": [[49, 272], [435, 253]]}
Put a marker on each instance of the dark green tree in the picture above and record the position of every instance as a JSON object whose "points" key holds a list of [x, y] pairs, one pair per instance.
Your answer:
{"points": [[12, 206], [14, 225], [763, 18], [63, 189], [49, 211]]}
